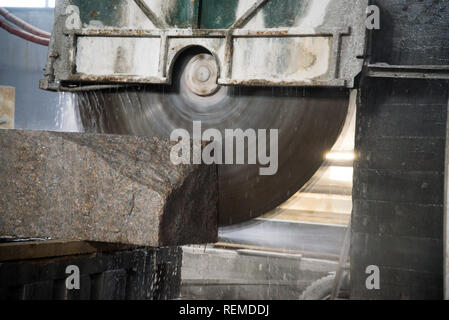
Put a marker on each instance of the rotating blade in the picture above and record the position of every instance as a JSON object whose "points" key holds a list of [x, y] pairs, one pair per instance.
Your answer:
{"points": [[309, 121]]}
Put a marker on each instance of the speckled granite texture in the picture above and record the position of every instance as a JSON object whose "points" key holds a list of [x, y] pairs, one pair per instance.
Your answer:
{"points": [[117, 189]]}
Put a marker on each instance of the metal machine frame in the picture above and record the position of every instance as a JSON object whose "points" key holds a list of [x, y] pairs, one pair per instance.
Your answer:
{"points": [[341, 58]]}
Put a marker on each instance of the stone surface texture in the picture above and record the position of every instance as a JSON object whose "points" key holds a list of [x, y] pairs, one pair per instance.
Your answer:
{"points": [[117, 189]]}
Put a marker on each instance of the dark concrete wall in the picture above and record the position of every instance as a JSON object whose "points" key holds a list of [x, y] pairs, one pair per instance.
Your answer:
{"points": [[21, 66], [400, 143], [412, 32], [397, 221]]}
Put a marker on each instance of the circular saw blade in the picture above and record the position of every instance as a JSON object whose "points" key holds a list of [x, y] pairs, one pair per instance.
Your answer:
{"points": [[309, 121]]}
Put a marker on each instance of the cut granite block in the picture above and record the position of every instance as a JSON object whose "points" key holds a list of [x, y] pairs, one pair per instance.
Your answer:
{"points": [[117, 189]]}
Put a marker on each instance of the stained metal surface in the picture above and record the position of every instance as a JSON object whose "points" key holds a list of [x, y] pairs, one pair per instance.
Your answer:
{"points": [[308, 119], [298, 42]]}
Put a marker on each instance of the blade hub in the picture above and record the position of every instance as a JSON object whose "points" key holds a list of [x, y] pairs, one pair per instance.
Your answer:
{"points": [[201, 75]]}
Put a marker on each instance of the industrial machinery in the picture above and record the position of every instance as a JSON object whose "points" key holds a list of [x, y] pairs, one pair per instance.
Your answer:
{"points": [[147, 67]]}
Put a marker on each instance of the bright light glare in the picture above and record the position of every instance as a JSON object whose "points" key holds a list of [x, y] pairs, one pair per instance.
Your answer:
{"points": [[340, 156], [343, 174], [27, 3]]}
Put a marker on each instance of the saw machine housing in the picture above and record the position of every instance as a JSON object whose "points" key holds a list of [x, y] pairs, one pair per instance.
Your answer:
{"points": [[254, 42]]}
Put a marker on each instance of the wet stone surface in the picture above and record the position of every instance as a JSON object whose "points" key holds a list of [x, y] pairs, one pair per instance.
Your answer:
{"points": [[107, 188]]}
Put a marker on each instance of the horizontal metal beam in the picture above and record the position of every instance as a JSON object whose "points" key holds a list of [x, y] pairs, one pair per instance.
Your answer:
{"points": [[433, 72], [209, 33]]}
